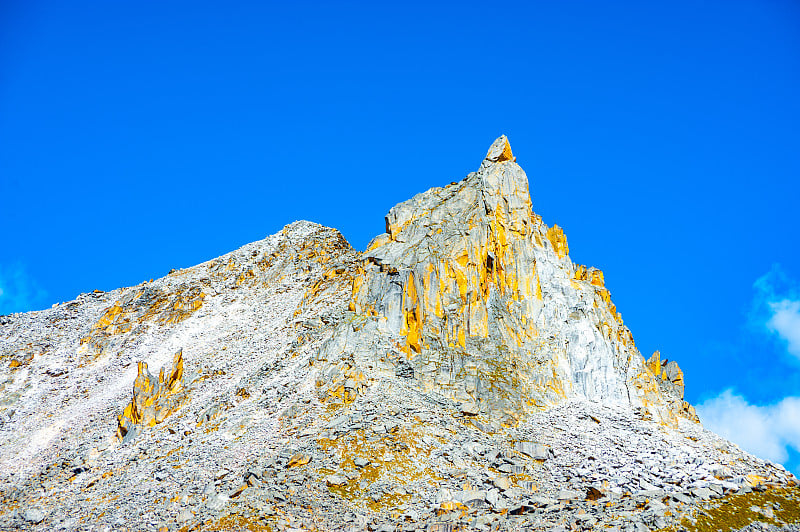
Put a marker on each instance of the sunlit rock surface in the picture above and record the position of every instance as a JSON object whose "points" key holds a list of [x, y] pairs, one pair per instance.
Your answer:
{"points": [[473, 296], [153, 399], [460, 374]]}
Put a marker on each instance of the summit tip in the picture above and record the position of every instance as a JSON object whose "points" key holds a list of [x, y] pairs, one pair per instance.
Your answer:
{"points": [[500, 150]]}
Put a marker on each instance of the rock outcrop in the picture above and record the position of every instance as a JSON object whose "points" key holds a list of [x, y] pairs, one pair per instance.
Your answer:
{"points": [[153, 399], [473, 296]]}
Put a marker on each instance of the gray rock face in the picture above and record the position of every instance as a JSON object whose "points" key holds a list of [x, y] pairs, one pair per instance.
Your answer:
{"points": [[470, 288]]}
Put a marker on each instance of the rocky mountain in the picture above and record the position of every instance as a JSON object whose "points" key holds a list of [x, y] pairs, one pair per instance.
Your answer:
{"points": [[460, 374]]}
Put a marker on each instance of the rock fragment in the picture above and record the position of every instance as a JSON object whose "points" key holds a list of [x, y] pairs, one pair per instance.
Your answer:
{"points": [[537, 451], [335, 480], [33, 515]]}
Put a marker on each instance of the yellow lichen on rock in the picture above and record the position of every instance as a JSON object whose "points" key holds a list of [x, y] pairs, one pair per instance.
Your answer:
{"points": [[558, 239], [298, 459], [341, 384], [597, 278], [500, 151], [136, 307], [669, 376], [654, 363], [412, 323]]}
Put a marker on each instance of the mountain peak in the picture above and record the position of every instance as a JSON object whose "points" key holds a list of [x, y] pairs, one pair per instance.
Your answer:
{"points": [[500, 150], [468, 289], [462, 373]]}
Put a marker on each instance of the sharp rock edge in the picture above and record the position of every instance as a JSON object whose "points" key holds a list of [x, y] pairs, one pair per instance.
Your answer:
{"points": [[462, 373]]}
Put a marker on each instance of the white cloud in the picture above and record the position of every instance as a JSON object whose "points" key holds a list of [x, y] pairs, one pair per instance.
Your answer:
{"points": [[776, 308], [766, 431], [785, 322], [18, 291]]}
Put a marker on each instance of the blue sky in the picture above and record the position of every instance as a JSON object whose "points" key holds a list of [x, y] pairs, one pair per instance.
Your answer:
{"points": [[663, 137]]}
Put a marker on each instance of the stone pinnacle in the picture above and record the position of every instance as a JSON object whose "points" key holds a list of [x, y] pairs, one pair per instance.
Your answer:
{"points": [[500, 151]]}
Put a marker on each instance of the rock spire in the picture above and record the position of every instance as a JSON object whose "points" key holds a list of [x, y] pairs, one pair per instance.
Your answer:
{"points": [[472, 294]]}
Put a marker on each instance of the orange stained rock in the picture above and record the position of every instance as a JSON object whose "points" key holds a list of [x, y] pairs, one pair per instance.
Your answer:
{"points": [[480, 280], [412, 326], [174, 381], [500, 151], [379, 241], [108, 317], [430, 291], [231, 523], [538, 288], [153, 399], [654, 363], [558, 239], [462, 282], [299, 459], [678, 380], [755, 480], [625, 337], [605, 295]]}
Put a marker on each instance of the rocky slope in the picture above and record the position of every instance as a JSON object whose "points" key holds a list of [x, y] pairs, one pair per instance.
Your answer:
{"points": [[462, 373]]}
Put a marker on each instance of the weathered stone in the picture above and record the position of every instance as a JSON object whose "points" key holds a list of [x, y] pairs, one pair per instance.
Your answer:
{"points": [[539, 501], [335, 480], [500, 151], [470, 497], [154, 400], [537, 451], [33, 515], [493, 497], [298, 459], [593, 494], [702, 493], [217, 501], [569, 495], [502, 483], [470, 409]]}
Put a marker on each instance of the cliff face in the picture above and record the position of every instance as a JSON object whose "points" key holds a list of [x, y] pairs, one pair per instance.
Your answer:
{"points": [[472, 294]]}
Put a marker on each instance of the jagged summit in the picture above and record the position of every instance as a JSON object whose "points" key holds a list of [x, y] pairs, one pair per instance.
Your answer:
{"points": [[462, 373], [500, 151], [473, 292]]}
